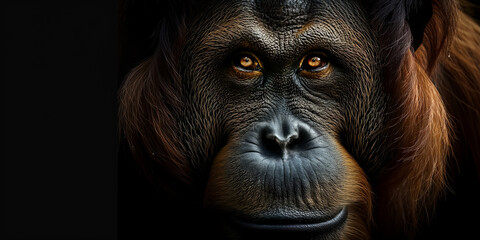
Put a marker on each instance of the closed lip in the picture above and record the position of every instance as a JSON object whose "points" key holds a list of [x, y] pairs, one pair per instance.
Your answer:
{"points": [[285, 223]]}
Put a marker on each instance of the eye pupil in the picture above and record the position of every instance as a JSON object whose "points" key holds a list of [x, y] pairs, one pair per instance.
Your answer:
{"points": [[246, 62], [314, 62]]}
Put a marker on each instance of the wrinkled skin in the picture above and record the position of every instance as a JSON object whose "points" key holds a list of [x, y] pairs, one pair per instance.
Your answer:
{"points": [[285, 145], [305, 119]]}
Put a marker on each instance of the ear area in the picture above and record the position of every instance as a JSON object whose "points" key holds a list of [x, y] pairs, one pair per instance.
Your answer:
{"points": [[150, 99], [148, 105], [418, 15]]}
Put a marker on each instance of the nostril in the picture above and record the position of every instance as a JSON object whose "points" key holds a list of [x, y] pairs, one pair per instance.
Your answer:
{"points": [[294, 140], [281, 139], [272, 144], [277, 140], [284, 142]]}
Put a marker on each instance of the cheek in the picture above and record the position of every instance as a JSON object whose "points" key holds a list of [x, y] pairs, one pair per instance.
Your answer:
{"points": [[364, 133], [201, 120], [357, 194]]}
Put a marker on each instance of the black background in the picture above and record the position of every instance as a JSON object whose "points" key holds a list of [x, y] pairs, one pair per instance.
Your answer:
{"points": [[59, 140], [60, 178]]}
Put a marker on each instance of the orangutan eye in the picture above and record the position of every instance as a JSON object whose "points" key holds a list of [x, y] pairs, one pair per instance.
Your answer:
{"points": [[246, 62], [315, 62]]}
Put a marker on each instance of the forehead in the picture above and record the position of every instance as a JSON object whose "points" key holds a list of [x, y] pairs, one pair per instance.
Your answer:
{"points": [[283, 6], [285, 27], [286, 12], [279, 13]]}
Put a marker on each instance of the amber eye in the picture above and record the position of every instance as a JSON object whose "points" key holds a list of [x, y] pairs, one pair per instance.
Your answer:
{"points": [[246, 63], [315, 62]]}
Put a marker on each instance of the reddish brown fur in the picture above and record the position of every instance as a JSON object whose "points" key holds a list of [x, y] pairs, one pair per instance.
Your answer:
{"points": [[146, 120], [436, 98], [359, 191], [444, 71]]}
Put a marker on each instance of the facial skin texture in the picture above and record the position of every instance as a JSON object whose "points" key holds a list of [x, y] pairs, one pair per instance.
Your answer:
{"points": [[245, 181], [301, 119]]}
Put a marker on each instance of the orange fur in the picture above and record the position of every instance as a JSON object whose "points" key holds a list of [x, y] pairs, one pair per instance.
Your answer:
{"points": [[435, 117], [147, 121], [437, 94], [359, 194]]}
